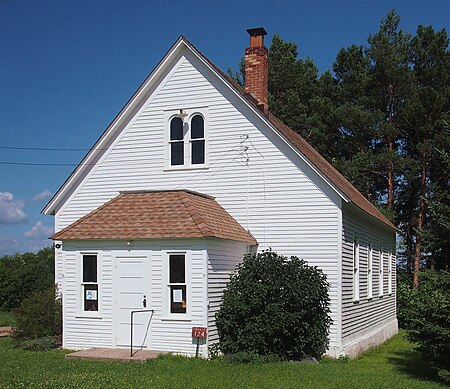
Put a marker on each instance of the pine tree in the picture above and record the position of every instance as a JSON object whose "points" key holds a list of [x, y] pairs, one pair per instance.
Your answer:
{"points": [[388, 53], [427, 113]]}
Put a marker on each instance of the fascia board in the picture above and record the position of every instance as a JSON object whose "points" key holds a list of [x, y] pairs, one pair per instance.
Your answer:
{"points": [[99, 148]]}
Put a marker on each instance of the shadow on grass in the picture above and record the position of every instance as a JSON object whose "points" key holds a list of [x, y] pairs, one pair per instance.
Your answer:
{"points": [[413, 364]]}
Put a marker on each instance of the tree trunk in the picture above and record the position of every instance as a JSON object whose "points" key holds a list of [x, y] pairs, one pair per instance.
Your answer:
{"points": [[390, 172], [409, 250], [420, 218], [390, 199]]}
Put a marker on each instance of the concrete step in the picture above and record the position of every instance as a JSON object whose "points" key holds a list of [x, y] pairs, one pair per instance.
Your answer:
{"points": [[114, 354]]}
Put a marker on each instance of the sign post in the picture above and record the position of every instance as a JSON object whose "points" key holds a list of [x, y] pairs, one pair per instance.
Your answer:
{"points": [[199, 333]]}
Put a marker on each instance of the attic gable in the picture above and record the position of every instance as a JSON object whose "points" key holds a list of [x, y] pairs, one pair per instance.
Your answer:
{"points": [[310, 156]]}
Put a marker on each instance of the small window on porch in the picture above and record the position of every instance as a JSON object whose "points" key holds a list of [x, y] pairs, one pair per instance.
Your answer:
{"points": [[177, 283], [90, 283]]}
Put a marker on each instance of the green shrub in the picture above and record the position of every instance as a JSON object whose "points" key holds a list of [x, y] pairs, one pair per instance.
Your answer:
{"points": [[251, 357], [40, 344], [23, 274], [406, 300], [39, 316], [275, 305], [6, 319], [214, 351], [430, 321]]}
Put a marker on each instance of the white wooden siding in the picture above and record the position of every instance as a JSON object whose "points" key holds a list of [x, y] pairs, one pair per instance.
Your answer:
{"points": [[59, 267], [81, 331], [223, 257], [284, 203], [367, 314], [165, 333]]}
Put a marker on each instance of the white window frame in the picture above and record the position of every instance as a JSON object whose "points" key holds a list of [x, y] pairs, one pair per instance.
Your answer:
{"points": [[389, 271], [167, 314], [381, 273], [81, 284], [370, 270], [356, 264], [187, 140]]}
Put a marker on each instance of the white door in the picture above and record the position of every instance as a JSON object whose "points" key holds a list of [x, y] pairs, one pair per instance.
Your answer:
{"points": [[133, 293]]}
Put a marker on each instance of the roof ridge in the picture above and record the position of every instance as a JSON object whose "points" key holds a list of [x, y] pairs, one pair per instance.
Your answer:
{"points": [[196, 216], [271, 118], [85, 217]]}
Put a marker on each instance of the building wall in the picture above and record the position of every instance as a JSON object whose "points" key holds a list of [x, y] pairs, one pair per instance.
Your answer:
{"points": [[368, 316], [165, 333], [223, 257], [276, 195]]}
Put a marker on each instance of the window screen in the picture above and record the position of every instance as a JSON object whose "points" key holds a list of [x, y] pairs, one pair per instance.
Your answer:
{"points": [[177, 269], [177, 283], [176, 142], [91, 297], [176, 129], [89, 268], [197, 127], [178, 298], [197, 140], [90, 283]]}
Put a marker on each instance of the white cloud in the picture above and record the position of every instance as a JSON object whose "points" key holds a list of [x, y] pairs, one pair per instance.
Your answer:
{"points": [[11, 210], [41, 196], [39, 231]]}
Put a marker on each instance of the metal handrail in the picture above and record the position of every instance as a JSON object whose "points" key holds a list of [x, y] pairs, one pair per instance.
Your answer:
{"points": [[131, 334]]}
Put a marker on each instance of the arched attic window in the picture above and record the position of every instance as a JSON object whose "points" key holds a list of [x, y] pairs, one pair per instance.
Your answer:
{"points": [[197, 140], [176, 142]]}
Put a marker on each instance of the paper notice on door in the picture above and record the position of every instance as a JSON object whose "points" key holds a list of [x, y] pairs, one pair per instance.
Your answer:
{"points": [[177, 296], [91, 295]]}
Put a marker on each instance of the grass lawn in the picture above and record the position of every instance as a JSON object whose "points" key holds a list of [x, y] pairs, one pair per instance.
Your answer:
{"points": [[6, 319], [393, 365]]}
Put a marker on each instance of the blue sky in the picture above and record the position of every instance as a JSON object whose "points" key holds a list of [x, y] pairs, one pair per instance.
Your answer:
{"points": [[68, 67]]}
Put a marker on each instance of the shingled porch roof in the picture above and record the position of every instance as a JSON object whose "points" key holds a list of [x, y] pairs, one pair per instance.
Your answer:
{"points": [[155, 215]]}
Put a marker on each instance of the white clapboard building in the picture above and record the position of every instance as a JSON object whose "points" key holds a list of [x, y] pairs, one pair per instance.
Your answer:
{"points": [[193, 173]]}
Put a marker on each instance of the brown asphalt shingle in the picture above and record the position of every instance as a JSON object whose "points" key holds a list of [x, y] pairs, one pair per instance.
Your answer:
{"points": [[159, 214]]}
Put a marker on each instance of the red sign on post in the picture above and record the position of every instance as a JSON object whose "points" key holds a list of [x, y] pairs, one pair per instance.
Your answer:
{"points": [[199, 332]]}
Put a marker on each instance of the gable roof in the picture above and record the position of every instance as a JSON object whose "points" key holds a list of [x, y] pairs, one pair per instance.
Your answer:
{"points": [[309, 152], [156, 215], [330, 174]]}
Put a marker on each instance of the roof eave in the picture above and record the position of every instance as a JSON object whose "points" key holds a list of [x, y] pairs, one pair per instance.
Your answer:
{"points": [[54, 203]]}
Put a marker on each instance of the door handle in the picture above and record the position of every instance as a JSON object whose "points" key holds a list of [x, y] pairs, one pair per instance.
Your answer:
{"points": [[144, 302]]}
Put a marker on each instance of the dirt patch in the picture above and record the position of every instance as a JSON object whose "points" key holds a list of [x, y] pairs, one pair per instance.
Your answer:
{"points": [[5, 331]]}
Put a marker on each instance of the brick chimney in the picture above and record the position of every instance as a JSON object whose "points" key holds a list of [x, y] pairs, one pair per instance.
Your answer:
{"points": [[257, 68]]}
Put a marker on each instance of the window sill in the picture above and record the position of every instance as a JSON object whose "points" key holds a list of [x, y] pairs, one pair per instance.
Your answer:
{"points": [[183, 168], [171, 318], [89, 317]]}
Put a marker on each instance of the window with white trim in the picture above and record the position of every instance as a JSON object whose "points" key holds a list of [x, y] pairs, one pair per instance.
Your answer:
{"points": [[176, 141], [370, 271], [187, 139], [177, 283], [389, 271], [381, 273], [356, 270], [197, 132], [89, 282]]}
